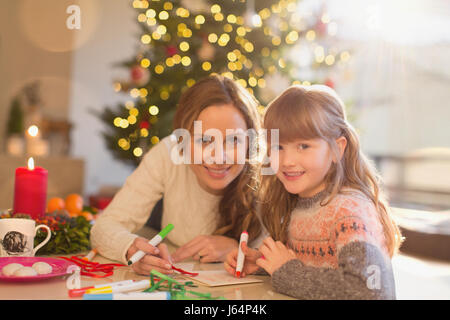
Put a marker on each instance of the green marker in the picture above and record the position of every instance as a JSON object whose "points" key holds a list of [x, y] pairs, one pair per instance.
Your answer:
{"points": [[154, 242]]}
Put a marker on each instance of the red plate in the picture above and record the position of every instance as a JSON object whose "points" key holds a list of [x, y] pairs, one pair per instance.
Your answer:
{"points": [[59, 268]]}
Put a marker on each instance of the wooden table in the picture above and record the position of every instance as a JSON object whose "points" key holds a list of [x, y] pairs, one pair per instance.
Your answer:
{"points": [[55, 289]]}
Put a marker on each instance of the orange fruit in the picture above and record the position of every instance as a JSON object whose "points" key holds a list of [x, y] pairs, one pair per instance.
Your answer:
{"points": [[89, 216], [74, 203], [73, 214], [55, 204]]}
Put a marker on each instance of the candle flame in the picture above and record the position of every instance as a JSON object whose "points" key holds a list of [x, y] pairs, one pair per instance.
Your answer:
{"points": [[30, 163], [33, 131]]}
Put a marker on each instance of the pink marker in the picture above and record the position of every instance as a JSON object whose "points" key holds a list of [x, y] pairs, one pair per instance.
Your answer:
{"points": [[241, 256]]}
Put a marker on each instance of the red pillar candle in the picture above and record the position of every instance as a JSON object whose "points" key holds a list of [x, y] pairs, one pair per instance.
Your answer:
{"points": [[30, 190]]}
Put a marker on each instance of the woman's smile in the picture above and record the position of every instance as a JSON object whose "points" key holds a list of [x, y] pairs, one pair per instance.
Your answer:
{"points": [[217, 172]]}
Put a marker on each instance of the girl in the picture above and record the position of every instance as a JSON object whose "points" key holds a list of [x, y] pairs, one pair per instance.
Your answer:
{"points": [[208, 203], [331, 236]]}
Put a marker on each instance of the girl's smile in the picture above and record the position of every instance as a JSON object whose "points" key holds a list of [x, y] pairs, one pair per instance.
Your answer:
{"points": [[293, 175]]}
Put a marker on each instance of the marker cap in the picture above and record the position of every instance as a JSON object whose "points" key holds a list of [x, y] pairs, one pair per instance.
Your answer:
{"points": [[73, 293], [244, 236], [166, 230]]}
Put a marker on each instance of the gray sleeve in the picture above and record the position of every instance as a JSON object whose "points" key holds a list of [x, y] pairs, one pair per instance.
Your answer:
{"points": [[363, 274], [261, 272]]}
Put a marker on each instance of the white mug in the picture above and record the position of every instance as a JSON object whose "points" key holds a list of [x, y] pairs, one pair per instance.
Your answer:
{"points": [[17, 237]]}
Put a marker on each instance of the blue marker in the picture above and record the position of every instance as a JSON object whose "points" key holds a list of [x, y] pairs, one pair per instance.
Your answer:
{"points": [[129, 296]]}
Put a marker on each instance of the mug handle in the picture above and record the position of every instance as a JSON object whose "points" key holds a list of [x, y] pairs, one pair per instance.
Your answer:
{"points": [[49, 234]]}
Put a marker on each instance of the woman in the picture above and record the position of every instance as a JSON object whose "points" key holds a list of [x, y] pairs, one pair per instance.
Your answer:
{"points": [[209, 202]]}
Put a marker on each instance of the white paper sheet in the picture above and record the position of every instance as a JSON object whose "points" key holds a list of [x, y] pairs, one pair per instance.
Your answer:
{"points": [[215, 278]]}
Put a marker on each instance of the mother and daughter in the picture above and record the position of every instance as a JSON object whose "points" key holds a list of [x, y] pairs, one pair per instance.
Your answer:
{"points": [[319, 226]]}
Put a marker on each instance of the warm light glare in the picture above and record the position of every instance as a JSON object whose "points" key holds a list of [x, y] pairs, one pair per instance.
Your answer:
{"points": [[33, 131], [134, 93], [146, 39], [310, 35], [164, 95], [145, 63], [159, 69], [168, 6], [154, 110], [185, 61], [137, 152], [206, 66], [154, 140], [215, 8], [190, 82], [345, 56], [144, 133], [131, 119], [134, 112], [31, 163], [329, 60], [184, 46], [117, 87], [231, 18], [199, 19], [212, 38], [150, 13], [163, 15], [256, 20]]}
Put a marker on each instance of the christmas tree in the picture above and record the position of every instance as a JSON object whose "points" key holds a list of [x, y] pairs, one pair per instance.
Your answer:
{"points": [[15, 120], [260, 44]]}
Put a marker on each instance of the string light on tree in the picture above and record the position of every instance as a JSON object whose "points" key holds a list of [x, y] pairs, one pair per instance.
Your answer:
{"points": [[183, 41]]}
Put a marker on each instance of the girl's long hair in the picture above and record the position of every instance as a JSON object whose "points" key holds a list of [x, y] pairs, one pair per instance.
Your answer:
{"points": [[311, 112], [237, 207]]}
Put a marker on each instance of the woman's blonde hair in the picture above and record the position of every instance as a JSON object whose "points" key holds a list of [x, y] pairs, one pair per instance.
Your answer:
{"points": [[311, 112], [237, 210]]}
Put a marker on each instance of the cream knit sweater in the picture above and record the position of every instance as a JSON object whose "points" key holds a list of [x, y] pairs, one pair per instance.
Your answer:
{"points": [[191, 209]]}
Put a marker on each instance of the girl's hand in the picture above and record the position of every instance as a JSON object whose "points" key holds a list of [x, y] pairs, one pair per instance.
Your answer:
{"points": [[157, 258], [251, 255], [275, 255], [205, 249]]}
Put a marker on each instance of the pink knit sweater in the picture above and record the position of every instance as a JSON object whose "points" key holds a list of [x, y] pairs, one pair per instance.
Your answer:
{"points": [[318, 233], [341, 251]]}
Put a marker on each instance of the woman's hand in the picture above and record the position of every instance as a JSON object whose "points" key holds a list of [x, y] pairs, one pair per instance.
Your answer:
{"points": [[205, 248], [250, 266], [275, 254], [157, 258]]}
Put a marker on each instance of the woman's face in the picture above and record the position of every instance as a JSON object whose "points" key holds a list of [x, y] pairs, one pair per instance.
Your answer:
{"points": [[219, 150]]}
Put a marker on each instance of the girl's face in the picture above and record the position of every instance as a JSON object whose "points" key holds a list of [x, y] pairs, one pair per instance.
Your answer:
{"points": [[212, 175], [303, 165]]}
